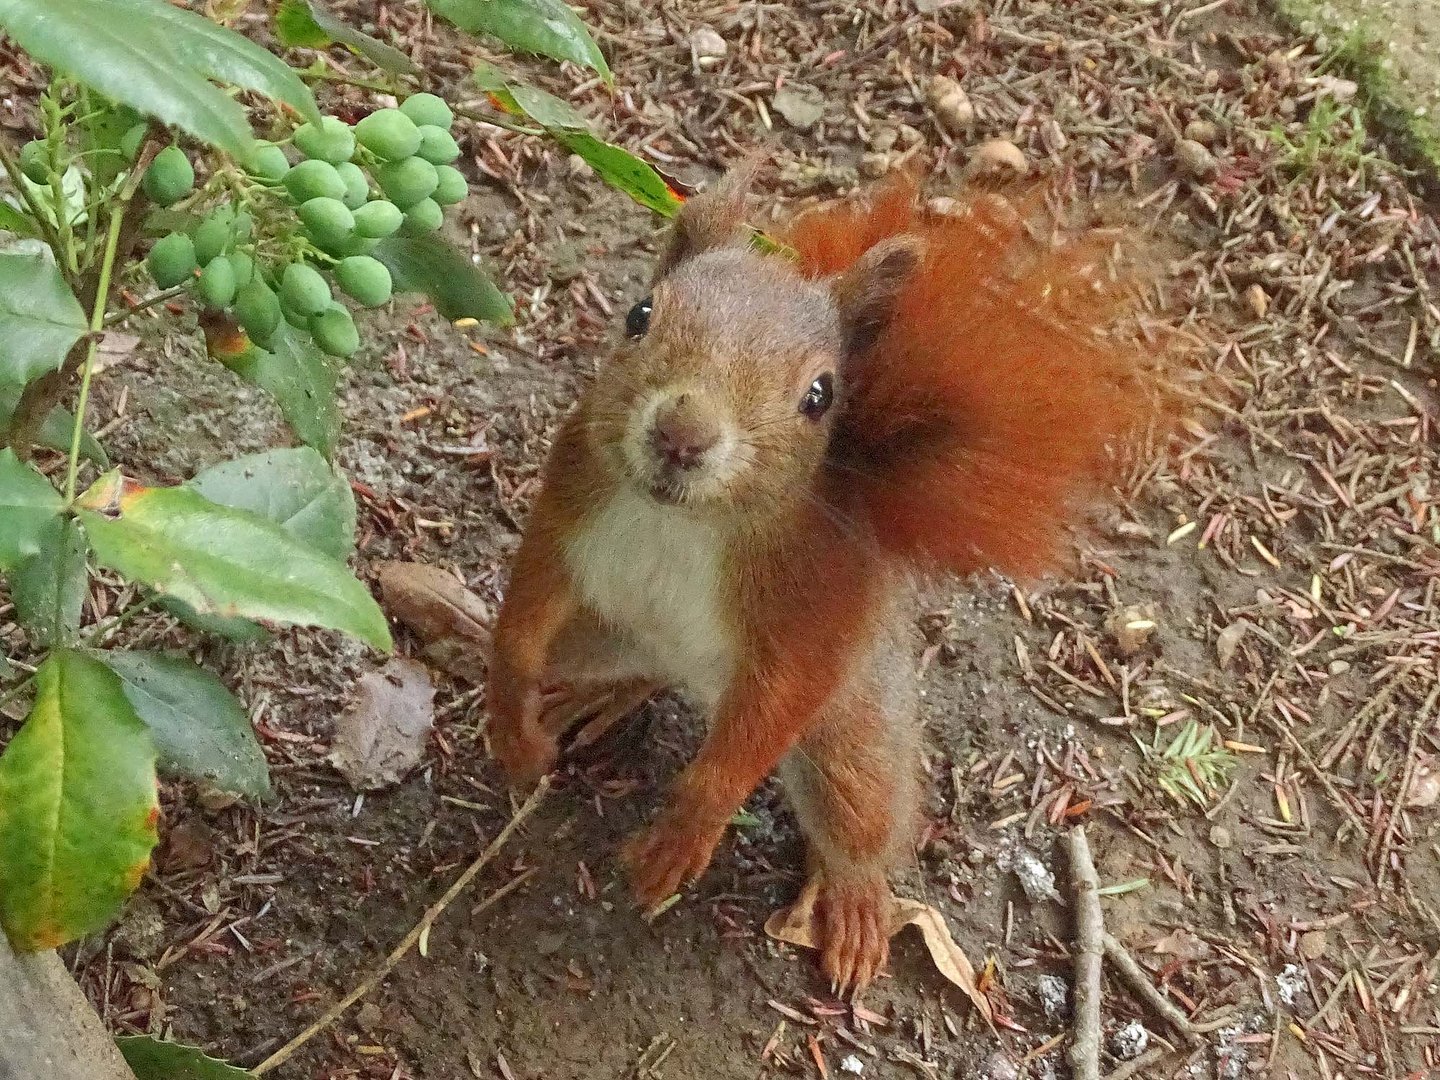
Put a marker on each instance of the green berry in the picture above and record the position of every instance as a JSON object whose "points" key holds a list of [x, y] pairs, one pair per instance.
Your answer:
{"points": [[172, 260], [244, 267], [212, 236], [268, 163], [314, 180], [406, 182], [334, 331], [333, 141], [388, 134], [170, 177], [258, 310], [428, 109], [366, 279], [217, 283], [357, 188], [424, 217], [378, 219], [328, 221], [452, 186], [437, 145], [131, 140], [297, 319], [35, 162], [304, 290]]}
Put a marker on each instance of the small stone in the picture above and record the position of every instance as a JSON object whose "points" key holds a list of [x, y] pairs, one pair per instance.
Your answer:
{"points": [[943, 205], [1131, 627], [140, 933], [706, 44], [950, 104], [1130, 1041], [578, 168], [852, 1064], [1338, 667], [1313, 944], [910, 136], [1220, 836], [1340, 90], [547, 943], [800, 106], [998, 157], [1195, 158], [874, 165], [883, 140], [998, 1066], [1258, 299], [1054, 997], [1228, 640], [1202, 131], [370, 1017]]}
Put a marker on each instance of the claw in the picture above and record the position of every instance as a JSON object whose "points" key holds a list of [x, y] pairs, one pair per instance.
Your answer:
{"points": [[853, 947]]}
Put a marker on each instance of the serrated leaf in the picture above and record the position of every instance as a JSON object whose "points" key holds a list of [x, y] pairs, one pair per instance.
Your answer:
{"points": [[544, 27], [158, 59], [28, 502], [428, 265], [199, 729], [310, 24], [302, 381], [294, 487], [55, 432], [78, 806], [614, 165], [223, 561], [49, 587], [40, 319], [153, 1059]]}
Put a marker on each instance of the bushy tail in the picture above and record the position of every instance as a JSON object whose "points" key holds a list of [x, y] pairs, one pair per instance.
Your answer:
{"points": [[1006, 393]]}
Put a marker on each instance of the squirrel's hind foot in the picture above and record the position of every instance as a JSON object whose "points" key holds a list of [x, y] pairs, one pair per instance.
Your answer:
{"points": [[854, 940]]}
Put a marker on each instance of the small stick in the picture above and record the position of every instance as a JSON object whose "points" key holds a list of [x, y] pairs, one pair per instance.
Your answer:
{"points": [[420, 929], [1129, 969], [1138, 1066], [1089, 956]]}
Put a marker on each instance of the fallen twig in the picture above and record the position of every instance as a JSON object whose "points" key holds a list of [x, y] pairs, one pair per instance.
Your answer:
{"points": [[1089, 955], [1129, 969], [419, 930], [1138, 1066]]}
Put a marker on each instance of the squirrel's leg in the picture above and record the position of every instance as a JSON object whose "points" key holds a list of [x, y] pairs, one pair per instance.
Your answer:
{"points": [[593, 675], [852, 781]]}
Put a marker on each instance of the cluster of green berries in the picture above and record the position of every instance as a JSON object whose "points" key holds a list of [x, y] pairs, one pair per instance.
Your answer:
{"points": [[353, 186]]}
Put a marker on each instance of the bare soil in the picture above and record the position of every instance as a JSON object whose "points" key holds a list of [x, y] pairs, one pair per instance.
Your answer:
{"points": [[1303, 502]]}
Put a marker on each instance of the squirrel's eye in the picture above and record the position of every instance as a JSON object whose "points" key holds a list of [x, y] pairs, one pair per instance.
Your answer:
{"points": [[638, 321], [819, 397]]}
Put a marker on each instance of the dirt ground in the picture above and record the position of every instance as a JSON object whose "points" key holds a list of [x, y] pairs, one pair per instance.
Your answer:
{"points": [[1286, 556]]}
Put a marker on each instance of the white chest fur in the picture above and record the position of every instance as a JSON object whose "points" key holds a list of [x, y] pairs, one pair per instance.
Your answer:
{"points": [[653, 573]]}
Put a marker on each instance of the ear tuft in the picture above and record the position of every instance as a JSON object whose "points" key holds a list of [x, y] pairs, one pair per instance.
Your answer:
{"points": [[866, 294], [712, 220]]}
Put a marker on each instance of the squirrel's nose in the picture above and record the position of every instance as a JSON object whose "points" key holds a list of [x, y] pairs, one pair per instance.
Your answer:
{"points": [[681, 434]]}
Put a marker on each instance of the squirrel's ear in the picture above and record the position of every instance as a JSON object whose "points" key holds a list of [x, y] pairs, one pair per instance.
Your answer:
{"points": [[715, 219], [865, 295]]}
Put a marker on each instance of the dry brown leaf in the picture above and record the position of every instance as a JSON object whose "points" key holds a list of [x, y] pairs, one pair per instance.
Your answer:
{"points": [[382, 735], [1228, 640], [431, 602], [796, 925]]}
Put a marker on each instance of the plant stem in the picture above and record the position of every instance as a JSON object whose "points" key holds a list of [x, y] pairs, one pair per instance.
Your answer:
{"points": [[97, 316], [10, 163], [144, 305]]}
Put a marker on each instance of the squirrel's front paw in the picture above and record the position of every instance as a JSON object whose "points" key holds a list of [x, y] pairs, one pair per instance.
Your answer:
{"points": [[521, 744], [673, 851]]}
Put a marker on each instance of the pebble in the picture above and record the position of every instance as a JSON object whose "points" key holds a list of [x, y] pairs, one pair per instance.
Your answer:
{"points": [[943, 205], [997, 157], [874, 165], [1130, 1041], [707, 45], [1314, 944], [1202, 131], [1054, 997], [801, 106], [1221, 837], [1131, 627], [1195, 158], [950, 104], [884, 139]]}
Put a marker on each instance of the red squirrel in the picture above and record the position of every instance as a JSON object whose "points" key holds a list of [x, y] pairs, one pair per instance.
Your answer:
{"points": [[740, 503]]}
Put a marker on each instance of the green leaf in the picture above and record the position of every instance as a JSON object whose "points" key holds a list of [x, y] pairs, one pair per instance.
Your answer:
{"points": [[158, 59], [55, 432], [545, 27], [100, 137], [12, 220], [78, 806], [49, 587], [40, 319], [200, 730], [152, 1059], [28, 502], [428, 265], [296, 488], [302, 381], [222, 561], [240, 631], [616, 166], [310, 24], [623, 171]]}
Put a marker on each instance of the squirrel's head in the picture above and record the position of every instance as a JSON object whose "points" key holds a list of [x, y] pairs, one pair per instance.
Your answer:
{"points": [[733, 371]]}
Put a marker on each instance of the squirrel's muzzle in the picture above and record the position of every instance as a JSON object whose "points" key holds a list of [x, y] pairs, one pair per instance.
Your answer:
{"points": [[682, 434]]}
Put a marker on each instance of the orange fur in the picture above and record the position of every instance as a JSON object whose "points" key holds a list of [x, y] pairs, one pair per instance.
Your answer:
{"points": [[998, 400]]}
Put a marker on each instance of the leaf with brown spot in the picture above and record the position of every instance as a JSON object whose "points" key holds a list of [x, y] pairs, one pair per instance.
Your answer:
{"points": [[451, 621], [382, 736], [798, 925]]}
